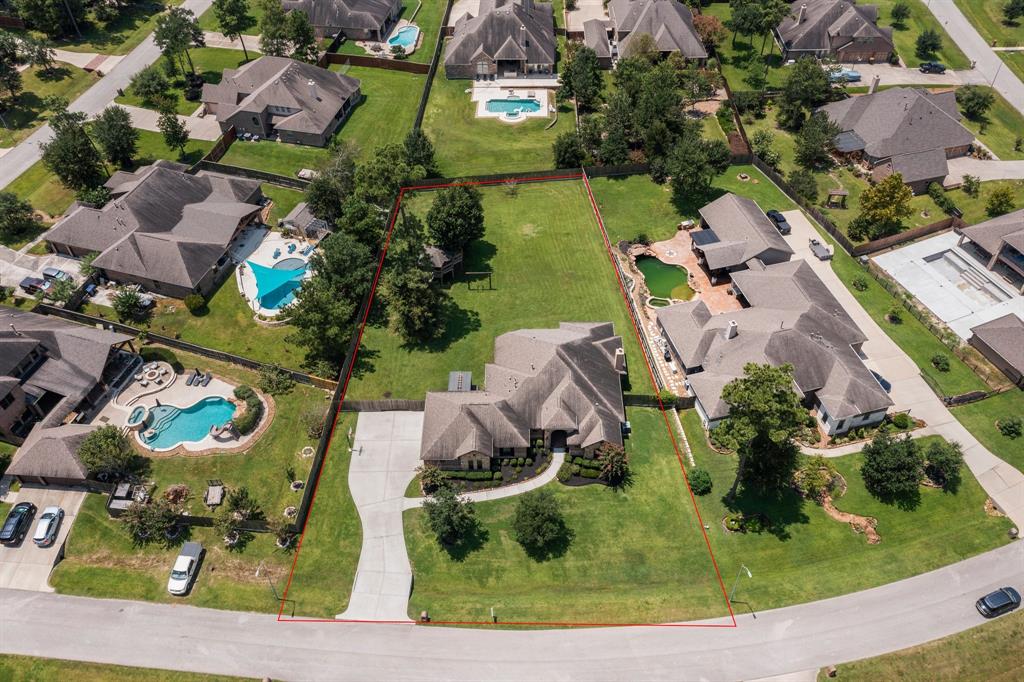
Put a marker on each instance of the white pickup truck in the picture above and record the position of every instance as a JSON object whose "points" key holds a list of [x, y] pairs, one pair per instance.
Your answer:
{"points": [[185, 567]]}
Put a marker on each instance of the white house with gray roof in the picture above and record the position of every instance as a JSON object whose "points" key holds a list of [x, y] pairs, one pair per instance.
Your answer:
{"points": [[284, 98], [505, 39], [164, 229], [836, 29], [355, 19], [562, 386], [791, 318], [735, 231], [668, 22]]}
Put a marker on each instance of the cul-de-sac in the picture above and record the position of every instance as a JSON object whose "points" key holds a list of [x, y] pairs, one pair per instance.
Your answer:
{"points": [[511, 339]]}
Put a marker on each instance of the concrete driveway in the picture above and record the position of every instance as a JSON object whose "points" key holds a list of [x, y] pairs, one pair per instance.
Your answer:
{"points": [[986, 170], [901, 75], [27, 567]]}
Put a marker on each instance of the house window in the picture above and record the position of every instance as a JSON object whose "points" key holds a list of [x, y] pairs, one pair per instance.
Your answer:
{"points": [[6, 401], [481, 68], [255, 121], [840, 424]]}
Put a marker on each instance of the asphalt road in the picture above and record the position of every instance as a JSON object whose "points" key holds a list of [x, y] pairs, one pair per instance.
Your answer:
{"points": [[796, 638], [92, 101]]}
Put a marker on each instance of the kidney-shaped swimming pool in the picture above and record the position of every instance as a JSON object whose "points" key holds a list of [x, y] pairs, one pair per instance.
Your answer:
{"points": [[168, 426]]}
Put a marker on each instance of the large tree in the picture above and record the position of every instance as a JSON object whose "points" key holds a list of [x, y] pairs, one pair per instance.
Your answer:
{"points": [[55, 18], [173, 129], [581, 77], [975, 101], [273, 29], [568, 150], [116, 136], [420, 152], [379, 179], [695, 162], [943, 462], [771, 15], [233, 20], [335, 180], [539, 525], [1012, 11], [745, 18], [806, 87], [15, 216], [893, 467], [456, 217], [414, 299], [815, 142], [176, 31], [10, 59], [710, 29], [70, 153], [151, 85], [449, 517], [301, 37], [883, 207], [764, 416], [106, 452]]}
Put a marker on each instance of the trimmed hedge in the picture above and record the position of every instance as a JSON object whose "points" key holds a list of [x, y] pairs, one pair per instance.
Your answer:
{"points": [[253, 410]]}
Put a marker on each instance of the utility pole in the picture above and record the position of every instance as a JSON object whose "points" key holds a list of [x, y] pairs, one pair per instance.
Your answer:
{"points": [[736, 582], [71, 16]]}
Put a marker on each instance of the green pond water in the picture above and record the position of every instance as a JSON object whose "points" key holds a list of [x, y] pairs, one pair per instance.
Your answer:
{"points": [[664, 280]]}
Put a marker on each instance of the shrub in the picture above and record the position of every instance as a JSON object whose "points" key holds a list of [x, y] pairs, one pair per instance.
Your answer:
{"points": [[520, 461], [529, 461], [590, 473], [724, 116], [151, 522], [244, 392], [564, 472], [860, 283], [894, 315], [106, 452], [247, 422], [314, 423], [431, 478], [971, 185], [893, 467], [1000, 201], [816, 478], [749, 101], [902, 421], [497, 476], [941, 199], [539, 525], [274, 380], [614, 464], [575, 469], [1011, 427], [700, 481], [943, 463], [941, 362]]}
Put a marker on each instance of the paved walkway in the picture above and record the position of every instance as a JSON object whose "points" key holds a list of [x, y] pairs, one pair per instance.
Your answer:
{"points": [[986, 170], [92, 101], [796, 638], [385, 454], [548, 475], [1003, 483], [199, 127], [987, 63]]}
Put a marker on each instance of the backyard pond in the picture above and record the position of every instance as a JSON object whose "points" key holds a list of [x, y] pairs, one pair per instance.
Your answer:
{"points": [[664, 280]]}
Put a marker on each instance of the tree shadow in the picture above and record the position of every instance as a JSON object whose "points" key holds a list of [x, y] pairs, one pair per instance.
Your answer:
{"points": [[781, 510], [906, 501], [690, 204], [458, 323], [53, 74], [478, 257], [554, 549], [472, 541]]}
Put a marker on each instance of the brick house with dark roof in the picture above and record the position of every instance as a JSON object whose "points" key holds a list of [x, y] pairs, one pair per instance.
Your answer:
{"points": [[506, 39], [834, 29], [356, 19]]}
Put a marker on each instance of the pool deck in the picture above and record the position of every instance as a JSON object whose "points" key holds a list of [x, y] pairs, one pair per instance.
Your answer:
{"points": [[263, 254], [383, 50], [522, 89], [678, 251], [950, 302]]}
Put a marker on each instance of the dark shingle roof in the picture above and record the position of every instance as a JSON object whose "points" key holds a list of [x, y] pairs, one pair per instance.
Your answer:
{"points": [[595, 36], [344, 14], [991, 234], [743, 232], [504, 29], [669, 22], [1005, 336], [830, 25], [927, 165], [52, 453]]}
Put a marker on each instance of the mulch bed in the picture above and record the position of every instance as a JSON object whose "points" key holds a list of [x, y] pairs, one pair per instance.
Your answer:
{"points": [[539, 465]]}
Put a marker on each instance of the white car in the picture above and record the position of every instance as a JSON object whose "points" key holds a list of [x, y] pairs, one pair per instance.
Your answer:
{"points": [[48, 527], [184, 568]]}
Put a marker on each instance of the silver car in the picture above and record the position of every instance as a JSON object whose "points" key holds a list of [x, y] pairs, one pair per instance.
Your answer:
{"points": [[48, 526]]}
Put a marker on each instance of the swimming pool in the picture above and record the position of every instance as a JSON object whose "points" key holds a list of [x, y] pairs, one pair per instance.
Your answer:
{"points": [[664, 280], [513, 106], [405, 36], [275, 286], [174, 425]]}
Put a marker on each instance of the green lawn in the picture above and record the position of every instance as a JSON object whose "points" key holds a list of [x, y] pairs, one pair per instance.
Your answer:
{"points": [[550, 265], [121, 36], [1015, 61], [28, 111], [467, 145], [1003, 125], [807, 556], [284, 200], [209, 63], [385, 115], [429, 20], [637, 555], [33, 669], [326, 567], [980, 419], [987, 17], [973, 655], [920, 19], [208, 22]]}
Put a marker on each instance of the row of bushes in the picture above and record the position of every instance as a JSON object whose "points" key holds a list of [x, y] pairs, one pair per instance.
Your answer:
{"points": [[461, 475], [253, 410]]}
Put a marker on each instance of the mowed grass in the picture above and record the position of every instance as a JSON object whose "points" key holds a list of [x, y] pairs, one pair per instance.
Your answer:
{"points": [[284, 198], [467, 145], [28, 111], [987, 17], [906, 37], [34, 669], [549, 265], [326, 567], [981, 653], [385, 115], [1015, 62], [981, 419], [1002, 127], [807, 556], [637, 556], [134, 22]]}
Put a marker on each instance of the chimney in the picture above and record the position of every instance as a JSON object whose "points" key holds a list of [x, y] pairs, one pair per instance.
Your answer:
{"points": [[874, 84], [312, 89], [732, 330], [800, 16]]}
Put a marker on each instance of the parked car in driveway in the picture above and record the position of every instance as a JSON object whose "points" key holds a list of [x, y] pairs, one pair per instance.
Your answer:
{"points": [[820, 251], [16, 525], [996, 603], [780, 221], [184, 569], [844, 76], [56, 275], [34, 285], [932, 67], [48, 526]]}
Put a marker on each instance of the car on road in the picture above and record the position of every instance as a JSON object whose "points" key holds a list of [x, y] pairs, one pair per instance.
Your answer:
{"points": [[34, 285], [56, 275], [932, 67], [184, 569], [996, 603], [780, 221], [17, 523], [844, 76], [48, 526]]}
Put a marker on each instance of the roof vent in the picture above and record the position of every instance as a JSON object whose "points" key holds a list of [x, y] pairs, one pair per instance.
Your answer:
{"points": [[732, 330], [313, 90], [800, 16]]}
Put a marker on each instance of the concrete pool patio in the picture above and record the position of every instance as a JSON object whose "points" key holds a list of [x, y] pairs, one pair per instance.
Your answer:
{"points": [[513, 89], [951, 283], [270, 252]]}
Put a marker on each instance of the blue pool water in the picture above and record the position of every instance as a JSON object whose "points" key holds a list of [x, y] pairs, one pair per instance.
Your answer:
{"points": [[136, 416], [174, 425], [405, 36], [512, 105], [275, 287]]}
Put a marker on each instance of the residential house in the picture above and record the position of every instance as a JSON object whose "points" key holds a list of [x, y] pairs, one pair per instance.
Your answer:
{"points": [[52, 370], [595, 36], [901, 130], [1002, 341], [1000, 243], [505, 39], [369, 20], [791, 317], [276, 97], [561, 386], [164, 229], [668, 22], [49, 456], [834, 29], [735, 231]]}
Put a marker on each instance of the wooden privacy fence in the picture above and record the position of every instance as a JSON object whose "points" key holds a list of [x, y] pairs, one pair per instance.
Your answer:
{"points": [[383, 405], [250, 173], [328, 58]]}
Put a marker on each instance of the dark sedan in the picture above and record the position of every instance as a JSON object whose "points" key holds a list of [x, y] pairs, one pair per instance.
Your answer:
{"points": [[932, 67], [1003, 600], [780, 221], [17, 523]]}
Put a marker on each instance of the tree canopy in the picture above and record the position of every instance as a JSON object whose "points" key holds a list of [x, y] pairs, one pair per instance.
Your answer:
{"points": [[233, 19], [539, 525], [893, 468], [581, 77], [176, 31], [449, 517], [114, 133], [414, 299], [70, 153], [883, 206], [456, 217], [15, 216], [107, 452]]}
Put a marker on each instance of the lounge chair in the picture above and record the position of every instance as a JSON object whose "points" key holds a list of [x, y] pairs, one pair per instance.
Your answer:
{"points": [[191, 378], [277, 253], [291, 247], [206, 379]]}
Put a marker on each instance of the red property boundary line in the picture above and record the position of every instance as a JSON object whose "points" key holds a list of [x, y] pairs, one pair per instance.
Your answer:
{"points": [[650, 373]]}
